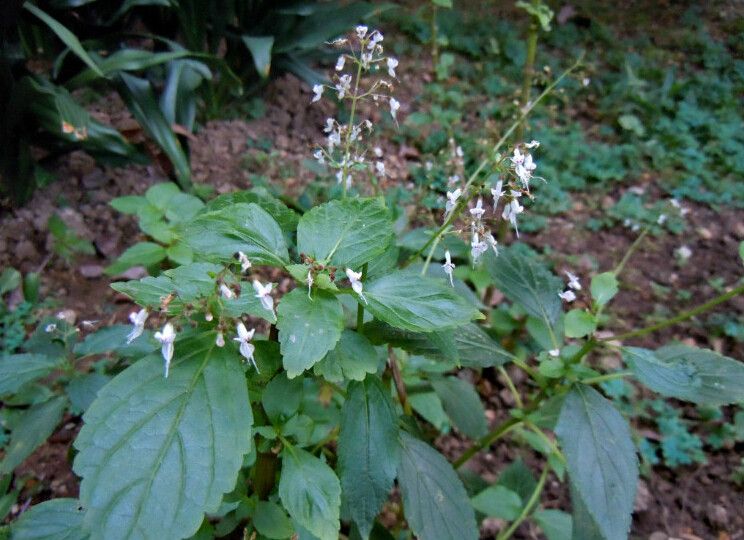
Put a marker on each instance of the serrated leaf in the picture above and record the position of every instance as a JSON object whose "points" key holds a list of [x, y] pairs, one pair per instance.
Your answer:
{"points": [[160, 194], [82, 391], [114, 339], [688, 373], [311, 493], [462, 405], [601, 459], [32, 429], [281, 398], [140, 254], [517, 477], [219, 234], [150, 291], [409, 301], [526, 282], [180, 253], [189, 434], [58, 519], [430, 407], [19, 369], [284, 216], [128, 204], [604, 287], [308, 328], [352, 358], [347, 233], [368, 451], [499, 502], [435, 503], [271, 521], [555, 524], [10, 280], [579, 323]]}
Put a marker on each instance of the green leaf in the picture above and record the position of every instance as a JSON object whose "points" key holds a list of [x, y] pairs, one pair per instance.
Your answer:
{"points": [[180, 253], [579, 323], [19, 369], [462, 405], [583, 526], [601, 459], [311, 493], [284, 216], [260, 48], [541, 12], [33, 427], [129, 204], [527, 283], [499, 502], [140, 254], [67, 37], [241, 227], [346, 233], [282, 397], [160, 195], [368, 451], [688, 373], [58, 519], [479, 350], [435, 503], [429, 406], [517, 477], [555, 524], [271, 521], [308, 328], [352, 359], [149, 291], [10, 280], [82, 391], [442, 3], [189, 434], [604, 287], [741, 251], [411, 302]]}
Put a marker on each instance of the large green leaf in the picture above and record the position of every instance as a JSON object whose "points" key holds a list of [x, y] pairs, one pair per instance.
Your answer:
{"points": [[524, 281], [409, 301], [601, 459], [140, 254], [435, 503], [462, 405], [31, 430], [556, 525], [688, 373], [260, 48], [219, 234], [352, 358], [284, 216], [308, 328], [58, 519], [346, 233], [155, 454], [368, 451], [311, 493], [19, 369], [499, 502]]}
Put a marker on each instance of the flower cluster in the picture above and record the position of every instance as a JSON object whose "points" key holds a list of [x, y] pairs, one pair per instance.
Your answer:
{"points": [[573, 285], [345, 151]]}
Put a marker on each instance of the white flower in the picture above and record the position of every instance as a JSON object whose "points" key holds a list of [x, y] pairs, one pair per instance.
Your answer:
{"points": [[585, 81], [497, 193], [138, 320], [375, 38], [246, 348], [517, 157], [220, 341], [226, 292], [452, 197], [532, 144], [511, 211], [166, 337], [356, 283], [683, 252], [334, 139], [452, 180], [366, 59], [554, 352], [245, 264], [524, 170], [310, 282], [49, 328], [682, 210], [661, 219], [330, 125], [458, 152], [448, 266], [343, 86], [380, 167], [318, 155], [263, 293], [392, 63], [378, 151], [208, 317], [478, 211], [394, 106], [340, 62], [361, 31], [573, 281], [318, 92], [567, 295], [368, 124], [492, 242], [428, 165], [477, 248]]}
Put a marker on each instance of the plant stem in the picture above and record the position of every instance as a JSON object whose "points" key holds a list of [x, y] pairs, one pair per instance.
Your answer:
{"points": [[264, 474], [607, 377], [360, 307], [434, 38], [400, 386], [529, 67], [463, 200], [512, 388], [527, 510], [632, 249], [689, 314], [431, 254], [350, 128], [487, 440]]}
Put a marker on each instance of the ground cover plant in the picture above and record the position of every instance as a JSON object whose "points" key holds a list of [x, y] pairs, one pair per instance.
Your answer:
{"points": [[292, 362]]}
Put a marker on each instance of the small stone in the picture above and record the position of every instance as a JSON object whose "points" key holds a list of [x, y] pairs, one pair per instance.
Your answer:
{"points": [[91, 271], [718, 516], [94, 179], [136, 272]]}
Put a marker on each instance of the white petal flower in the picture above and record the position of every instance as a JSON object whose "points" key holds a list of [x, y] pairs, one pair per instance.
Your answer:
{"points": [[340, 63], [477, 248], [492, 242], [378, 151], [567, 295], [361, 31], [511, 211], [343, 86], [245, 264], [356, 283], [51, 327], [573, 281], [375, 38], [394, 106], [208, 317], [263, 293], [366, 59], [318, 92], [320, 158], [532, 144], [448, 266], [380, 168], [138, 320], [329, 126], [226, 292], [683, 252], [392, 63], [246, 348], [310, 282], [452, 197], [166, 337], [478, 211], [220, 341], [497, 193], [554, 352], [517, 157], [458, 152]]}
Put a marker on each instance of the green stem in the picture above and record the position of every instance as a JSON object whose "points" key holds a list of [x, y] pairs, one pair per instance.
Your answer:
{"points": [[632, 249], [360, 307], [512, 388], [689, 314], [607, 377], [434, 38], [347, 142], [527, 510], [431, 254], [529, 67], [487, 440], [463, 202]]}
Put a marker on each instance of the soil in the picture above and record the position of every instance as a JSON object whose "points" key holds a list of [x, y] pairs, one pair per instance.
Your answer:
{"points": [[685, 503]]}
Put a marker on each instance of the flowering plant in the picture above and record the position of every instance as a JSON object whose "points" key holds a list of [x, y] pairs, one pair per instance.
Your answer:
{"points": [[306, 429]]}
